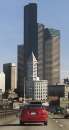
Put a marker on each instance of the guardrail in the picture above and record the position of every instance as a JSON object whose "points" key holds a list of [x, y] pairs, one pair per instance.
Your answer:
{"points": [[5, 113]]}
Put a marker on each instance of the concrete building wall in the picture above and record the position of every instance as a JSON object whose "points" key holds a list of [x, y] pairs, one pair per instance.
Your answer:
{"points": [[7, 71], [48, 54], [20, 70], [29, 89], [13, 77], [40, 51], [40, 90], [37, 89], [32, 68], [2, 81], [30, 32], [66, 92], [10, 76], [52, 56]]}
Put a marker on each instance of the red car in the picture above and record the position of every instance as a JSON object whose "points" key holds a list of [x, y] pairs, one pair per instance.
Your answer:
{"points": [[33, 113]]}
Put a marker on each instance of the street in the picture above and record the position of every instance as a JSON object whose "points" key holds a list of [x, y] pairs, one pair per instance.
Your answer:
{"points": [[55, 122]]}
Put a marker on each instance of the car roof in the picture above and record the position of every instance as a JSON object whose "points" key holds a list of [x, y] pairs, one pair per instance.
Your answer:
{"points": [[35, 102]]}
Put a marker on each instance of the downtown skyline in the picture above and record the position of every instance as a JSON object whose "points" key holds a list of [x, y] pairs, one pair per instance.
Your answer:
{"points": [[11, 27]]}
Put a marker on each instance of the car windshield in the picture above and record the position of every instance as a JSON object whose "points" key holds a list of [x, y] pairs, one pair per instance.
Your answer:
{"points": [[32, 106]]}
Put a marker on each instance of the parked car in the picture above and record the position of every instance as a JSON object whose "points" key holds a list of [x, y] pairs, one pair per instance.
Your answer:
{"points": [[51, 109], [34, 113], [66, 112], [58, 110]]}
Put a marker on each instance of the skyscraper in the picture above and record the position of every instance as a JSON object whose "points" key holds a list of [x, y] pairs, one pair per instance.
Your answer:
{"points": [[32, 68], [10, 76], [30, 31], [30, 44], [41, 51], [48, 54], [20, 70], [41, 44], [2, 83], [52, 56], [31, 74]]}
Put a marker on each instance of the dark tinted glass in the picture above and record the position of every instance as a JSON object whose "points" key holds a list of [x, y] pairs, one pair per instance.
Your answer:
{"points": [[37, 103], [34, 106]]}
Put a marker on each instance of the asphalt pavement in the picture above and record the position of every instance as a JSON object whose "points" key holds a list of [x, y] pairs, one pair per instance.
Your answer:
{"points": [[55, 122]]}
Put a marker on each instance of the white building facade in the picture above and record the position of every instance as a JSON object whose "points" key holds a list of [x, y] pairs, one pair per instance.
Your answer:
{"points": [[2, 81], [37, 89], [66, 92], [40, 89], [32, 68], [13, 77]]}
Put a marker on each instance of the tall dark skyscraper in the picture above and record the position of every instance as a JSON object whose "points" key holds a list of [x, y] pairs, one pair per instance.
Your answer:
{"points": [[10, 76], [30, 31], [48, 54], [30, 44], [20, 70], [44, 44]]}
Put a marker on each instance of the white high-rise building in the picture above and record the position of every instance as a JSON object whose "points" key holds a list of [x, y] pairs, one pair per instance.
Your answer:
{"points": [[40, 89], [35, 88], [2, 81], [32, 68], [41, 51], [13, 76]]}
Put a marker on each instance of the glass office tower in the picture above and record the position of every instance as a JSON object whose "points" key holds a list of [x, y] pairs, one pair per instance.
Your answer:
{"points": [[30, 31]]}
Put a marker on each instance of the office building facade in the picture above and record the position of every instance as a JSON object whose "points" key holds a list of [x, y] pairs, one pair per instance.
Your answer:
{"points": [[20, 70], [41, 51], [52, 56], [37, 89], [40, 54], [31, 68], [30, 31], [2, 82], [48, 54], [10, 76]]}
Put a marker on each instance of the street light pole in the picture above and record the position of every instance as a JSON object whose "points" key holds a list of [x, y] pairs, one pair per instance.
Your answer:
{"points": [[24, 89]]}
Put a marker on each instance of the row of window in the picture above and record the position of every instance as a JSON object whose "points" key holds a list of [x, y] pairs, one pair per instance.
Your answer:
{"points": [[43, 97], [38, 93], [40, 84]]}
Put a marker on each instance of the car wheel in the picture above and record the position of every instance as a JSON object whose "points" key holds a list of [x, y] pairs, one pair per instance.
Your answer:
{"points": [[21, 123], [45, 123], [54, 113], [65, 117]]}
